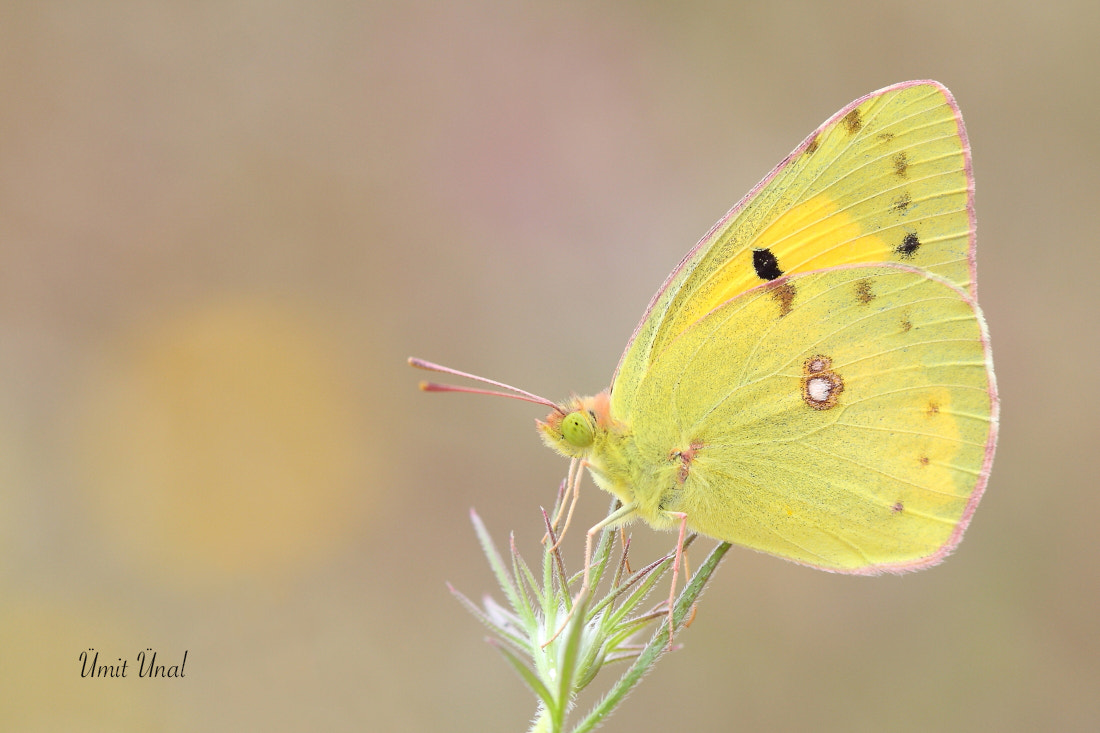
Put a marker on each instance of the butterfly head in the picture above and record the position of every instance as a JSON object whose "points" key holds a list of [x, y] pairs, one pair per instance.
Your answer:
{"points": [[582, 424]]}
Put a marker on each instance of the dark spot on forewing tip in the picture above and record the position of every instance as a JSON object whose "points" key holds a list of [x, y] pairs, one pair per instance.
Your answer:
{"points": [[910, 243], [853, 121]]}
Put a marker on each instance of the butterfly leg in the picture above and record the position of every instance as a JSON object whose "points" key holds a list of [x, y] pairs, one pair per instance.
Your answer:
{"points": [[687, 574], [625, 542], [572, 492], [676, 570]]}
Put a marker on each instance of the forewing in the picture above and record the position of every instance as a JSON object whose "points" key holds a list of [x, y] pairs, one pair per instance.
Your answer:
{"points": [[887, 179], [886, 476]]}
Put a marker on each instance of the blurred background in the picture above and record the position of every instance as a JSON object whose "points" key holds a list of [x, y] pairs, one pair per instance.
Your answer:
{"points": [[224, 225]]}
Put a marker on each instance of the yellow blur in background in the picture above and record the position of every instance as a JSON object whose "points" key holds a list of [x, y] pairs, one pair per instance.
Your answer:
{"points": [[224, 226], [223, 442]]}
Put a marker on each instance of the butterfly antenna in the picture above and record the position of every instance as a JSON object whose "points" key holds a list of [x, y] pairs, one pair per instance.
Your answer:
{"points": [[514, 392]]}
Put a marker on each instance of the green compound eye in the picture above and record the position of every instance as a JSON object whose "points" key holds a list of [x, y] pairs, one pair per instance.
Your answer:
{"points": [[577, 429]]}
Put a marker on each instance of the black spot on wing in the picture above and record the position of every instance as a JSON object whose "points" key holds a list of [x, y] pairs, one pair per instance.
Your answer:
{"points": [[909, 246], [765, 264]]}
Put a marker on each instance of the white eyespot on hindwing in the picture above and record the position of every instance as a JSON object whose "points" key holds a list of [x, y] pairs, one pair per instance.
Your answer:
{"points": [[820, 384]]}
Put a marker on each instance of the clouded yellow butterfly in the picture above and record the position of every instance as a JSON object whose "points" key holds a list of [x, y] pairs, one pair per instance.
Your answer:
{"points": [[814, 379]]}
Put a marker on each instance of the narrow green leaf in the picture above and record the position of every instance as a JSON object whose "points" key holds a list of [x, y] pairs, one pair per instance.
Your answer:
{"points": [[521, 645], [524, 580], [529, 678], [496, 562]]}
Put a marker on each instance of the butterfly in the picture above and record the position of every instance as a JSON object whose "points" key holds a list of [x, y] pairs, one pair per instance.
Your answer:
{"points": [[814, 379]]}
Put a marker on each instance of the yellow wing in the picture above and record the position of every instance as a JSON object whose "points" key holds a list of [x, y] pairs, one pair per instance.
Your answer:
{"points": [[843, 419], [886, 179]]}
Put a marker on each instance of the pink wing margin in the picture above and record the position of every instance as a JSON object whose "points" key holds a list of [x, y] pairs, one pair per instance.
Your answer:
{"points": [[721, 223]]}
